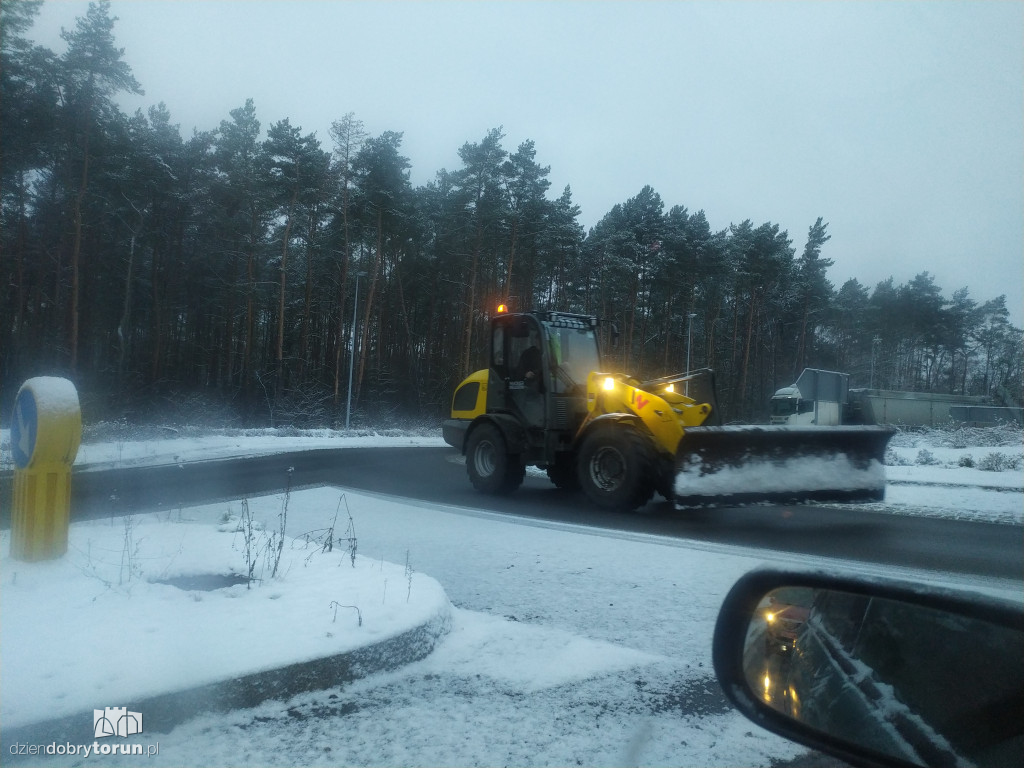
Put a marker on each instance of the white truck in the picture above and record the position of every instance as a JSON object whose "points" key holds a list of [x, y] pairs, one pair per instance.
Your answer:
{"points": [[824, 398], [818, 397]]}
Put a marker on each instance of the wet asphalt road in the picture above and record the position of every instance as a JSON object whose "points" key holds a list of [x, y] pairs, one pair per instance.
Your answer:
{"points": [[435, 475]]}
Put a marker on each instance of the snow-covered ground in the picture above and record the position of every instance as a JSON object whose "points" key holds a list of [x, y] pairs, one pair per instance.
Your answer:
{"points": [[567, 645]]}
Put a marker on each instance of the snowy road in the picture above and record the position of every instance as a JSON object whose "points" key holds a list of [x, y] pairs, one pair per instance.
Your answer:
{"points": [[864, 533]]}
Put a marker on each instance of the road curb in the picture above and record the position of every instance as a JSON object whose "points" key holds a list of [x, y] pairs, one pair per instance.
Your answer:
{"points": [[163, 712]]}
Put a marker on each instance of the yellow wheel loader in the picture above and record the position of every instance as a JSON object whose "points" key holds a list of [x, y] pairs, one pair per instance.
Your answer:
{"points": [[545, 400]]}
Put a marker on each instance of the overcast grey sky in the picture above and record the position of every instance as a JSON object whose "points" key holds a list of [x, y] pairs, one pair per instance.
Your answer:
{"points": [[900, 123]]}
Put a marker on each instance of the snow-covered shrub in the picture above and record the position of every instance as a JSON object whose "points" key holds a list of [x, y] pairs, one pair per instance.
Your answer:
{"points": [[966, 461], [1002, 435], [957, 438], [304, 408], [905, 439], [121, 430], [1000, 462], [893, 459], [926, 458]]}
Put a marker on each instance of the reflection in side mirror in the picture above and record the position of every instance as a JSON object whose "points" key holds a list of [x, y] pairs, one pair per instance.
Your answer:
{"points": [[876, 674]]}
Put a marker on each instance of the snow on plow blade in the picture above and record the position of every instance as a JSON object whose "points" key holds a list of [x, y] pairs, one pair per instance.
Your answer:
{"points": [[750, 464]]}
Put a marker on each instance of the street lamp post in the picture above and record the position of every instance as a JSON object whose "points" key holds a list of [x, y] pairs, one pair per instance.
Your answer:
{"points": [[352, 352], [874, 345], [689, 339], [689, 343]]}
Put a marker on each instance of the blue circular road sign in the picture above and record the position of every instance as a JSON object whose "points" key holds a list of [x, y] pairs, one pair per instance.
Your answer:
{"points": [[24, 428]]}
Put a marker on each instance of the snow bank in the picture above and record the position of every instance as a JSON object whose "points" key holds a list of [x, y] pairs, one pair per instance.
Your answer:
{"points": [[99, 626]]}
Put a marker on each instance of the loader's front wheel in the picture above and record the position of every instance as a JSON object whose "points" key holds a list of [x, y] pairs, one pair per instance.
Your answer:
{"points": [[490, 466], [616, 468]]}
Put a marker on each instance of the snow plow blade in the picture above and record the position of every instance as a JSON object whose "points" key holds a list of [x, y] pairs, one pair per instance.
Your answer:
{"points": [[753, 464]]}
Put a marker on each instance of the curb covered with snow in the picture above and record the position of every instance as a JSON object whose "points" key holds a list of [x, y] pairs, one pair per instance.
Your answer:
{"points": [[163, 712], [105, 626]]}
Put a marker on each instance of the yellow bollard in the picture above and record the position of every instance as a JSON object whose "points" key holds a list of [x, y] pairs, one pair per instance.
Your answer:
{"points": [[46, 431]]}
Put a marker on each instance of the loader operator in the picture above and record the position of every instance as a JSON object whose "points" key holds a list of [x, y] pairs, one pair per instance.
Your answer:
{"points": [[530, 363]]}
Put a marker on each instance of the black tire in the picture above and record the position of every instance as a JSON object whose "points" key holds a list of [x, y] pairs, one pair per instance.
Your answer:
{"points": [[665, 482], [616, 468], [563, 472], [490, 466]]}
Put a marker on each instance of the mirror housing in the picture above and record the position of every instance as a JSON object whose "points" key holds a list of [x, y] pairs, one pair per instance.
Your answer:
{"points": [[876, 673]]}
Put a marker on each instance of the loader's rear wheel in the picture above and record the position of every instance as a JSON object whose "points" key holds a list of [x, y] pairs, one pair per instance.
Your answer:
{"points": [[490, 466], [616, 468]]}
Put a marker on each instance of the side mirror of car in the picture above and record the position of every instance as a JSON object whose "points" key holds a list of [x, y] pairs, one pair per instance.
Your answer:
{"points": [[876, 673]]}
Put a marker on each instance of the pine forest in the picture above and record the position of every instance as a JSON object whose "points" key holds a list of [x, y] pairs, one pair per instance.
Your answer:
{"points": [[216, 275]]}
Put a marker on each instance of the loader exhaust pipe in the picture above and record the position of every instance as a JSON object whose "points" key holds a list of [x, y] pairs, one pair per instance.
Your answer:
{"points": [[722, 466]]}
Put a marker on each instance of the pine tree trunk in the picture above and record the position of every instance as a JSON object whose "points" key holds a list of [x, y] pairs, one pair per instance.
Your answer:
{"points": [[126, 313], [464, 362], [250, 316], [304, 363], [279, 352], [157, 345], [746, 354], [76, 250], [364, 341]]}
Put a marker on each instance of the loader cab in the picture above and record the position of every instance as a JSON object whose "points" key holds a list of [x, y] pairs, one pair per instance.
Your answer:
{"points": [[573, 352], [516, 349], [539, 365], [519, 369]]}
